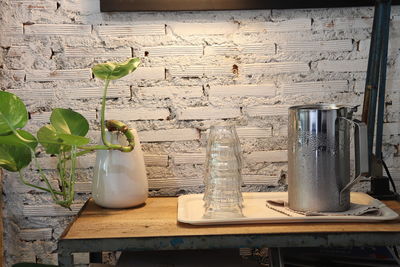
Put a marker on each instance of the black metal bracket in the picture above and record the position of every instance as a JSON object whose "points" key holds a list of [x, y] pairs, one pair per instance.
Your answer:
{"points": [[374, 99]]}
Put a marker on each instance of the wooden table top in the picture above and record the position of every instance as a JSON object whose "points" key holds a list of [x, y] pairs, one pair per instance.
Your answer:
{"points": [[158, 218]]}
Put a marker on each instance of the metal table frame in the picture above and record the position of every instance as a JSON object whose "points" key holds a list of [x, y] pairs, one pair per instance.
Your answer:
{"points": [[275, 241]]}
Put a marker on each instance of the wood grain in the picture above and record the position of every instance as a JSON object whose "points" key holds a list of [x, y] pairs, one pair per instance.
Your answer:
{"points": [[158, 218]]}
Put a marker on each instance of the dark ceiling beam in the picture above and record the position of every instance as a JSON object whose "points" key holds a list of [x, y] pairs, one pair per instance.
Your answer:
{"points": [[192, 5]]}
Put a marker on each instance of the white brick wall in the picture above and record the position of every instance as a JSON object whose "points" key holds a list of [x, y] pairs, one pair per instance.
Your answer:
{"points": [[221, 50], [189, 158], [263, 110], [359, 65], [208, 113], [200, 67], [200, 71], [58, 29], [280, 26], [135, 30], [173, 50], [275, 68], [186, 71], [392, 128], [80, 52], [344, 24], [174, 182], [230, 50], [316, 46], [17, 51], [259, 49], [326, 87], [156, 160], [49, 210], [34, 94], [47, 76], [137, 114], [392, 86], [267, 156], [169, 135], [17, 75], [34, 5], [262, 90], [170, 92], [253, 132], [44, 117], [81, 7], [96, 92], [394, 45], [204, 28], [146, 73], [11, 30], [36, 234]]}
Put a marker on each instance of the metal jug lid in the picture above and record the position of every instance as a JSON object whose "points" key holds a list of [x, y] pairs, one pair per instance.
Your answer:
{"points": [[319, 107]]}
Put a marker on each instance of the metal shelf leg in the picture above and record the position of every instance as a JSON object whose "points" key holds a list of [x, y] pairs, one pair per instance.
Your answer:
{"points": [[275, 257]]}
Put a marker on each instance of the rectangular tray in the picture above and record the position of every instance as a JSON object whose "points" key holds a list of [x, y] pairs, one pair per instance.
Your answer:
{"points": [[191, 210]]}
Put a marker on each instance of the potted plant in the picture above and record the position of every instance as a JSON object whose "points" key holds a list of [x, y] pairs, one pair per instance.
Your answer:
{"points": [[64, 137]]}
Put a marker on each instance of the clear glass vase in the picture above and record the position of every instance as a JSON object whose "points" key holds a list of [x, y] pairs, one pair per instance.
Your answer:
{"points": [[120, 179], [223, 179]]}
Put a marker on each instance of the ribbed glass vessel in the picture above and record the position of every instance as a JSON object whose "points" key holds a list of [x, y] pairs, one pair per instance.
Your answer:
{"points": [[223, 179]]}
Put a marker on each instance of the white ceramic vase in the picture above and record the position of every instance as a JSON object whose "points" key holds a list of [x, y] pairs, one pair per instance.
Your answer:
{"points": [[120, 179]]}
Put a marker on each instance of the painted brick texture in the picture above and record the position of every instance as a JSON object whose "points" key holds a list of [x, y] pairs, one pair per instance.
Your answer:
{"points": [[197, 69], [58, 29], [135, 30], [262, 90]]}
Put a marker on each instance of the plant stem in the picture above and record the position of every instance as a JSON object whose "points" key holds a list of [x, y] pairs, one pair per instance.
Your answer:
{"points": [[52, 191], [114, 125], [72, 175], [102, 115], [100, 147], [89, 149], [50, 188], [61, 171], [21, 177], [93, 148], [102, 119]]}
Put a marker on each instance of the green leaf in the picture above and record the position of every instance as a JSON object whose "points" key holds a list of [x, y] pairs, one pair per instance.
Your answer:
{"points": [[67, 129], [114, 70], [13, 113], [73, 140], [54, 142], [48, 138], [67, 121], [14, 158], [12, 139]]}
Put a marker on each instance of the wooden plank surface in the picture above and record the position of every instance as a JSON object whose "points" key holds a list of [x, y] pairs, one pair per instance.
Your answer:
{"points": [[158, 218]]}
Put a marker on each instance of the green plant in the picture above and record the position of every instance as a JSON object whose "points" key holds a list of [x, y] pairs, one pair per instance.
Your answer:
{"points": [[64, 137]]}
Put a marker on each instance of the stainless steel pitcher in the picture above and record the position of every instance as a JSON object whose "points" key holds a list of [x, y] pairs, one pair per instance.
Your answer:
{"points": [[319, 157]]}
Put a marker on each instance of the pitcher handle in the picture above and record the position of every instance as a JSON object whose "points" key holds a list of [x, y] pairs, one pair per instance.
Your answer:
{"points": [[361, 154]]}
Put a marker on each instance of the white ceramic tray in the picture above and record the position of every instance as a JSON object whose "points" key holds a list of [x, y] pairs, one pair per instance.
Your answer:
{"points": [[191, 210]]}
